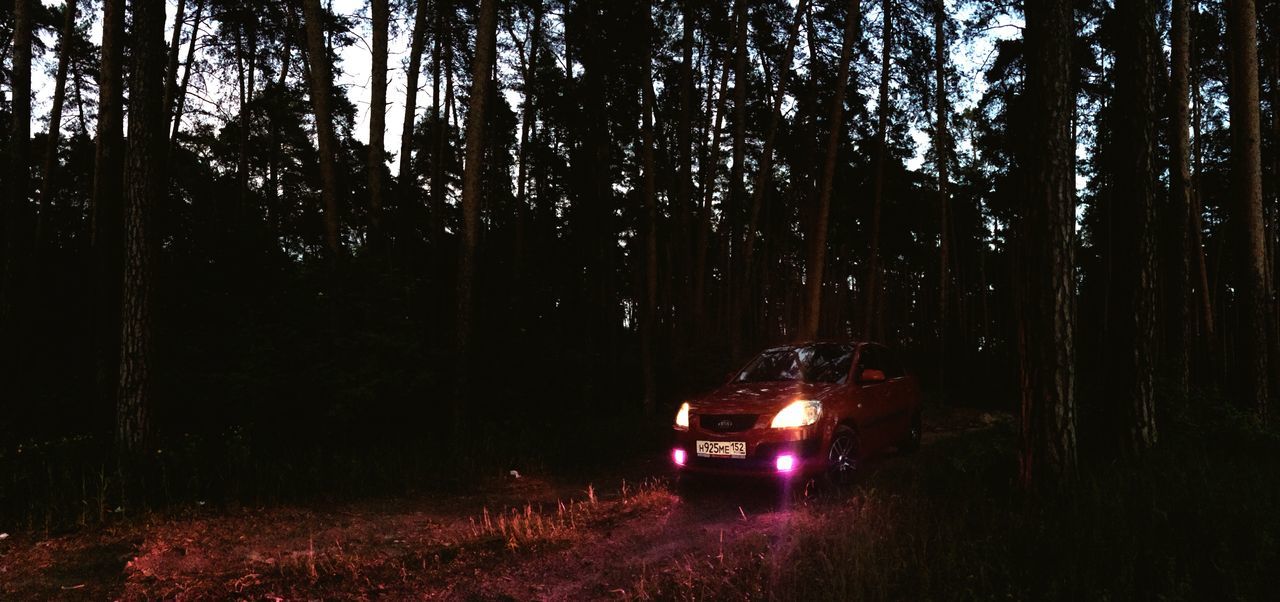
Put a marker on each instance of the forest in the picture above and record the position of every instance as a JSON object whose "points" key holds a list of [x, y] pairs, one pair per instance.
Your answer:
{"points": [[274, 253]]}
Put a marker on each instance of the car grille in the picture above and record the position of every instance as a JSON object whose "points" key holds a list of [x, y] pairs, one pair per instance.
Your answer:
{"points": [[727, 423]]}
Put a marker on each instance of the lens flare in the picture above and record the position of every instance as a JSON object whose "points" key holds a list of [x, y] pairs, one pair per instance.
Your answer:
{"points": [[786, 463]]}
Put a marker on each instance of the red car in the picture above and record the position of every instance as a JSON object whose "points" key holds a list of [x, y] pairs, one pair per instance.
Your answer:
{"points": [[801, 410]]}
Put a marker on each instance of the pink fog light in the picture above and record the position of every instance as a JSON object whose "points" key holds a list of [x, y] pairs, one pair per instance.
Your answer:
{"points": [[786, 463], [678, 456]]}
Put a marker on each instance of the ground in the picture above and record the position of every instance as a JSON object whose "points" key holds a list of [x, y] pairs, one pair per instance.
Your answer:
{"points": [[531, 537]]}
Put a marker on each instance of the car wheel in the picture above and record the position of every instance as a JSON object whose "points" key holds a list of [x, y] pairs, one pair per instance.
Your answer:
{"points": [[912, 442], [842, 456]]}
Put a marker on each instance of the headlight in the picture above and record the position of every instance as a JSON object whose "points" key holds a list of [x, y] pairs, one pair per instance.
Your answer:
{"points": [[802, 412], [682, 417]]}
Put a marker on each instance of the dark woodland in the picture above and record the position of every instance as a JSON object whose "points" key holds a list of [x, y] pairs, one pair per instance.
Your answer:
{"points": [[231, 281]]}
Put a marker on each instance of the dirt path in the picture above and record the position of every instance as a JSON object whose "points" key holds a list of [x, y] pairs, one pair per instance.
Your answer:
{"points": [[525, 539]]}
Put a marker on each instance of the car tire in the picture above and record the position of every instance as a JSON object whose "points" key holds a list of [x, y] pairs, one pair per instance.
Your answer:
{"points": [[842, 456], [912, 442]]}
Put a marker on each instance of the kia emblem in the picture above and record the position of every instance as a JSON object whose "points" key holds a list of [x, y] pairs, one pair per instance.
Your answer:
{"points": [[725, 424]]}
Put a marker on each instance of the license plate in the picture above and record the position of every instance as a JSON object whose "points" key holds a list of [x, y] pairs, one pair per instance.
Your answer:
{"points": [[722, 449]]}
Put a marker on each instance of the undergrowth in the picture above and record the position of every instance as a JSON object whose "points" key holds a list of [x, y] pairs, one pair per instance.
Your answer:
{"points": [[1196, 517]]}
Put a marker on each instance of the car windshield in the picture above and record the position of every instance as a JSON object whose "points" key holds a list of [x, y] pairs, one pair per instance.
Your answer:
{"points": [[825, 362]]}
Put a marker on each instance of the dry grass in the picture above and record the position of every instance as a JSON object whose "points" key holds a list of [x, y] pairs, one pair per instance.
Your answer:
{"points": [[390, 549]]}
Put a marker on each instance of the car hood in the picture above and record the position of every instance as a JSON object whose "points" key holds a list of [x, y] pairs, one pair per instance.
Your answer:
{"points": [[757, 398]]}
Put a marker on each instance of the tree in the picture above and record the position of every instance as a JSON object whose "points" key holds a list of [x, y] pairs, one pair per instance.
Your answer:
{"points": [[1133, 195], [47, 181], [378, 114], [406, 179], [872, 326], [818, 243], [1047, 435], [321, 80], [765, 173], [173, 111], [942, 152], [1246, 168], [144, 169], [107, 217], [14, 205], [1180, 190], [737, 171], [649, 307], [175, 44], [482, 68]]}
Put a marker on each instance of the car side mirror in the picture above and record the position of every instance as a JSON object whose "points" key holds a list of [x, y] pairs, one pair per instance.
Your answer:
{"points": [[871, 375]]}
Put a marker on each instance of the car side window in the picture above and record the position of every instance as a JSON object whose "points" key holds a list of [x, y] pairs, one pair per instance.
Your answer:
{"points": [[830, 363], [869, 359]]}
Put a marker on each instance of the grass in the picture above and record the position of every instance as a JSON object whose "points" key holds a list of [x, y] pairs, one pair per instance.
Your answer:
{"points": [[1196, 518], [531, 528]]}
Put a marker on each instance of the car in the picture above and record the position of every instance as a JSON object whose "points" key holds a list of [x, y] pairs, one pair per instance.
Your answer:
{"points": [[813, 409]]}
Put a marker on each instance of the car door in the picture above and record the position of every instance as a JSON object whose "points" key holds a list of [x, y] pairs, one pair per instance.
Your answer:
{"points": [[900, 392], [875, 401]]}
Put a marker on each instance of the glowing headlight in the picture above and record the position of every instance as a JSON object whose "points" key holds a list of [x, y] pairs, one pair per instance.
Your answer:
{"points": [[802, 412], [682, 417]]}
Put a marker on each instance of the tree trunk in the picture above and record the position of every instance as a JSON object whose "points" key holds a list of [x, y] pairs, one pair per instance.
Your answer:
{"points": [[473, 169], [709, 172], [321, 99], [1246, 169], [872, 325], [737, 171], [242, 154], [171, 76], [144, 169], [684, 160], [1134, 254], [528, 66], [377, 116], [818, 243], [15, 202], [106, 218], [1047, 438], [443, 59], [1197, 210], [1180, 193], [48, 183], [649, 310], [406, 180], [942, 152], [181, 95]]}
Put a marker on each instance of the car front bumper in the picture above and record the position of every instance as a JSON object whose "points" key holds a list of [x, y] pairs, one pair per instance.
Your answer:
{"points": [[765, 448]]}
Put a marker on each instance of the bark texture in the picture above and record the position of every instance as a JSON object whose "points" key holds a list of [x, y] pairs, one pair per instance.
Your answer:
{"points": [[144, 167], [1134, 306], [1047, 438], [1246, 168]]}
